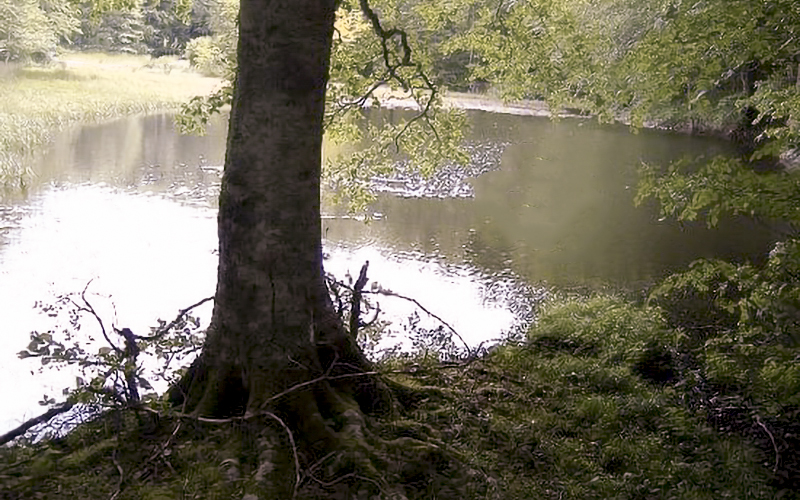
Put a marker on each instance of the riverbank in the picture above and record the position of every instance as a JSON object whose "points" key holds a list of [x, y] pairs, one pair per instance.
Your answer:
{"points": [[37, 102], [490, 101], [588, 406], [473, 101]]}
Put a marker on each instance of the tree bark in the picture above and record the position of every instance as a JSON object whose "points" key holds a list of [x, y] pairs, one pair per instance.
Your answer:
{"points": [[273, 325]]}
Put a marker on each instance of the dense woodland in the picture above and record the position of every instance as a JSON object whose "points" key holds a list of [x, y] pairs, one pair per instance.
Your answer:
{"points": [[690, 392]]}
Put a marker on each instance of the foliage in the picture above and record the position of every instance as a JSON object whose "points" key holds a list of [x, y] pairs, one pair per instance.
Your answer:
{"points": [[111, 375], [207, 57], [215, 54], [31, 29], [721, 186], [738, 343], [429, 139]]}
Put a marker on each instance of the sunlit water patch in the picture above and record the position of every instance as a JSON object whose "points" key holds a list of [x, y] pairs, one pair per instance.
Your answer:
{"points": [[146, 254]]}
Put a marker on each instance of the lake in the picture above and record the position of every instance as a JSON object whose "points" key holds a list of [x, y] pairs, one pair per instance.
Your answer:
{"points": [[131, 206]]}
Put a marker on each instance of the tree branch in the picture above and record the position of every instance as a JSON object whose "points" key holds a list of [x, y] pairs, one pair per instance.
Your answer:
{"points": [[355, 301], [44, 417], [163, 331]]}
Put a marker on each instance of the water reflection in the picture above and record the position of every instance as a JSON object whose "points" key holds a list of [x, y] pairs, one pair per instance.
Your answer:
{"points": [[146, 256], [131, 205]]}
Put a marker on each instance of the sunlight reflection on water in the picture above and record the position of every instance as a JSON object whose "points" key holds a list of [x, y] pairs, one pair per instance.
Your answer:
{"points": [[148, 256]]}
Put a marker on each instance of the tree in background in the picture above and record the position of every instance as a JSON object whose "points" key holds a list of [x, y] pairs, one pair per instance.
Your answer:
{"points": [[31, 29], [171, 24], [214, 53]]}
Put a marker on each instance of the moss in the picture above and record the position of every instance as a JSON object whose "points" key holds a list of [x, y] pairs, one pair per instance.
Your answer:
{"points": [[91, 455]]}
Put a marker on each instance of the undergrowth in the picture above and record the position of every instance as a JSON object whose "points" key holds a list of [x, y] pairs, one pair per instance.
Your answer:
{"points": [[600, 401], [576, 412]]}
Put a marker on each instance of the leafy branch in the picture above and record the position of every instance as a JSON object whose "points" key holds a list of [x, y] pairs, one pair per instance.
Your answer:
{"points": [[114, 373]]}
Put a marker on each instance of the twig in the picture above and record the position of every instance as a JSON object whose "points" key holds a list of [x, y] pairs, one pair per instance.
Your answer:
{"points": [[357, 103], [88, 308], [390, 293], [294, 452], [163, 331], [121, 475], [421, 114], [331, 483], [771, 438], [318, 463], [385, 35], [303, 384]]}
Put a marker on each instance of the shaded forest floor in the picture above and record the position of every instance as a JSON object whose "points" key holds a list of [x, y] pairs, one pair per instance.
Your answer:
{"points": [[592, 405]]}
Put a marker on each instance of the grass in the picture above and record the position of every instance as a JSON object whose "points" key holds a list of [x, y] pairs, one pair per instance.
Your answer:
{"points": [[571, 414], [37, 102]]}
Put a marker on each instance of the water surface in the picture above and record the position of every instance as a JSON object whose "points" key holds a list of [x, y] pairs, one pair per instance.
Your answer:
{"points": [[131, 207]]}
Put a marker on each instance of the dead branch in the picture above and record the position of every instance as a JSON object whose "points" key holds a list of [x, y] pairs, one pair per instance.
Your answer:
{"points": [[771, 438], [163, 331], [294, 452], [121, 475], [44, 417], [355, 301], [131, 353]]}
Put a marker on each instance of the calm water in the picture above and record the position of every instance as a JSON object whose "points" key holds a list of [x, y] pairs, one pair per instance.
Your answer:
{"points": [[131, 205]]}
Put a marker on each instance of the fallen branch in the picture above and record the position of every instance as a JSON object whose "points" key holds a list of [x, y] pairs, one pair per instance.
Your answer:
{"points": [[44, 417]]}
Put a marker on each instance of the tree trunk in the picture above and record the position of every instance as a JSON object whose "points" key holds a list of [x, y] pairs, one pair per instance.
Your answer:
{"points": [[273, 325]]}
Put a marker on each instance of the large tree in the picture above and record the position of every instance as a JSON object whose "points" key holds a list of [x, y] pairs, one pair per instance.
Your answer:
{"points": [[275, 348]]}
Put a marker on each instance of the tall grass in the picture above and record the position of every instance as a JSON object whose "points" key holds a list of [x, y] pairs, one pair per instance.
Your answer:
{"points": [[37, 102]]}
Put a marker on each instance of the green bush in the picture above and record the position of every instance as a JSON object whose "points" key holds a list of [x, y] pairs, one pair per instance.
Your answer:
{"points": [[206, 56]]}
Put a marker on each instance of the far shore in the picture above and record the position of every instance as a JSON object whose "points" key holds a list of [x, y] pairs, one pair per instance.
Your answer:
{"points": [[472, 101]]}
